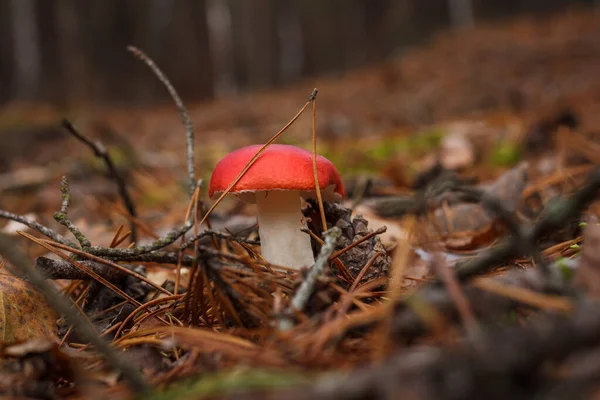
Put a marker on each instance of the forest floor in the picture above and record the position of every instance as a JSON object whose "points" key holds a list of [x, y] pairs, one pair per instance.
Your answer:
{"points": [[477, 151]]}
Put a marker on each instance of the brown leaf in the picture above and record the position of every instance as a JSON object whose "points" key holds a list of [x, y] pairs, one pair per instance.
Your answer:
{"points": [[24, 312], [469, 225]]}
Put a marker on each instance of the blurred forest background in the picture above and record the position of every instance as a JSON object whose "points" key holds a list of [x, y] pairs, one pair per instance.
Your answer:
{"points": [[69, 52]]}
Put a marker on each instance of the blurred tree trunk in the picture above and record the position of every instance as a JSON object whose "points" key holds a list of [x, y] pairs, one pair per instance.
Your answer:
{"points": [[290, 39], [392, 24], [256, 41], [75, 51], [221, 47], [50, 82], [321, 37], [461, 13], [71, 58], [352, 24], [189, 45], [376, 27], [26, 49], [111, 27], [6, 54]]}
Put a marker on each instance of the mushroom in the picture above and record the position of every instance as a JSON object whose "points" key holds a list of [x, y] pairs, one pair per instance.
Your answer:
{"points": [[276, 181]]}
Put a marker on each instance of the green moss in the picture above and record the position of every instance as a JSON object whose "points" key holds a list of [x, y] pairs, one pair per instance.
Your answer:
{"points": [[426, 140], [225, 382], [370, 157], [565, 271], [505, 154]]}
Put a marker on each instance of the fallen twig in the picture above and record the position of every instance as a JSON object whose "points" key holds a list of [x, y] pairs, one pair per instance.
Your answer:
{"points": [[37, 226], [313, 102], [158, 244], [60, 269], [221, 235]]}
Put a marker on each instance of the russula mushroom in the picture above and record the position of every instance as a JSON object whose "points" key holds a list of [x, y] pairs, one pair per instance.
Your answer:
{"points": [[276, 181]]}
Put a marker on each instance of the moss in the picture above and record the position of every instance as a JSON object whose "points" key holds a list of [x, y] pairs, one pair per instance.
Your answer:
{"points": [[426, 140], [505, 154], [565, 271], [236, 380], [370, 156]]}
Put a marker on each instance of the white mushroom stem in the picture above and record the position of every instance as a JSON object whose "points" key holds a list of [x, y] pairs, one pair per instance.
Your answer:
{"points": [[279, 223]]}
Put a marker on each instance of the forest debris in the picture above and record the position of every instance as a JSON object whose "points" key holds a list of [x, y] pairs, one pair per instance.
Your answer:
{"points": [[587, 276], [539, 136], [353, 230], [457, 152], [30, 369], [394, 231], [25, 314], [469, 225]]}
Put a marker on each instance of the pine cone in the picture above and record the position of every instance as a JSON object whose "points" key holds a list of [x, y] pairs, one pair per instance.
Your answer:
{"points": [[352, 230]]}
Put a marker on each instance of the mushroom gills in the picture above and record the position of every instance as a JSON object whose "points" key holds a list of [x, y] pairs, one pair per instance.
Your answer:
{"points": [[280, 220]]}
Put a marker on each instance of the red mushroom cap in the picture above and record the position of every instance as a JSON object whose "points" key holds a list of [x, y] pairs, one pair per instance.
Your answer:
{"points": [[279, 167]]}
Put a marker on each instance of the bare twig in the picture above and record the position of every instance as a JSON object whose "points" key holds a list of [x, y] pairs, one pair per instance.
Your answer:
{"points": [[36, 226], [308, 285], [62, 218], [60, 269], [158, 244], [159, 257], [100, 151], [221, 235], [132, 375], [183, 113], [313, 101], [114, 266], [51, 247]]}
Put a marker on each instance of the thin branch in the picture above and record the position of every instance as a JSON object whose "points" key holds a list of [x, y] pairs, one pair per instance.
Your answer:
{"points": [[114, 266], [183, 113], [158, 257], [62, 218], [313, 102], [37, 227], [51, 247], [61, 269], [100, 151], [221, 235], [158, 244], [130, 373], [308, 285]]}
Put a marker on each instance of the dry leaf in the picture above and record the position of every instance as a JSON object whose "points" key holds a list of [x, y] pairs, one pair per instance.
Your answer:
{"points": [[457, 152], [24, 312]]}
